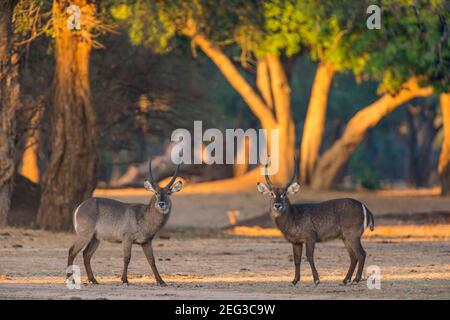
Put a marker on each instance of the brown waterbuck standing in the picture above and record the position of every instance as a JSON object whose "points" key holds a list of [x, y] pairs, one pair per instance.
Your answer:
{"points": [[317, 222], [105, 219]]}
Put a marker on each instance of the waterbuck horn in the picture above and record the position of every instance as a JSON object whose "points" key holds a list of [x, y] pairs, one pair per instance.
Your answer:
{"points": [[269, 183], [175, 175], [150, 175], [294, 175]]}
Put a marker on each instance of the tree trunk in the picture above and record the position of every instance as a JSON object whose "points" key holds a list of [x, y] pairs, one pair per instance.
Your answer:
{"points": [[315, 121], [444, 160], [263, 82], [276, 117], [9, 103], [240, 169], [282, 100], [71, 174], [29, 167], [338, 154]]}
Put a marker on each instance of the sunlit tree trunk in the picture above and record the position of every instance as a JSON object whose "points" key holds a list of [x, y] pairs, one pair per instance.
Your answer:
{"points": [[29, 167], [334, 159], [71, 174], [444, 160], [315, 121], [240, 169], [263, 81], [279, 117], [9, 103], [282, 100]]}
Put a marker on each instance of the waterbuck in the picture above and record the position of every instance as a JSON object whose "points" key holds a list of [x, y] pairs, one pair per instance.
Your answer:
{"points": [[317, 222], [105, 219]]}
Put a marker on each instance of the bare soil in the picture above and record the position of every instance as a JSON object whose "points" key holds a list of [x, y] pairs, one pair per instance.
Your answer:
{"points": [[199, 261]]}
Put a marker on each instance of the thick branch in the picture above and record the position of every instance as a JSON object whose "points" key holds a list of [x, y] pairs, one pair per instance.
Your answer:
{"points": [[280, 89], [263, 82], [334, 159], [282, 102], [315, 120], [282, 119], [230, 72]]}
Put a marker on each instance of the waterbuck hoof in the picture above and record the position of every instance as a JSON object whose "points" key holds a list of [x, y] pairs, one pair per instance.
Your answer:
{"points": [[93, 281], [316, 282], [356, 281], [294, 282], [162, 283], [345, 282]]}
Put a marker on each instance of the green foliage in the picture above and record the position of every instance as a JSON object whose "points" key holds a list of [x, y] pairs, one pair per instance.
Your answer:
{"points": [[293, 25], [155, 24], [413, 41]]}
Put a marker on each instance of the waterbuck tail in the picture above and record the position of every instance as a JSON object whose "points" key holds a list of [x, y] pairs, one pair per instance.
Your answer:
{"points": [[368, 218]]}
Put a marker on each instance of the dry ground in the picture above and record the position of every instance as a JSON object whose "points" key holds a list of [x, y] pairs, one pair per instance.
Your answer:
{"points": [[199, 263]]}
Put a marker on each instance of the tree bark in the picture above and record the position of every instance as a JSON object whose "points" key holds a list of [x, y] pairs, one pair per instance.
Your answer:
{"points": [[444, 160], [315, 121], [240, 169], [338, 154], [9, 104], [282, 100], [29, 167], [276, 117], [263, 82], [71, 174]]}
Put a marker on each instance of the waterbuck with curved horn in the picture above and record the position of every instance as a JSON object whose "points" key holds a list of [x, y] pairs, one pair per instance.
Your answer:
{"points": [[317, 222], [99, 219]]}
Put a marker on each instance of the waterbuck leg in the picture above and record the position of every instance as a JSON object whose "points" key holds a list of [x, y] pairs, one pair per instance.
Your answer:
{"points": [[74, 250], [148, 251], [310, 244], [87, 255], [361, 256], [297, 260], [126, 259], [353, 261]]}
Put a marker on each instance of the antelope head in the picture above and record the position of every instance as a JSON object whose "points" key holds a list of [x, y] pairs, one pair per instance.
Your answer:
{"points": [[162, 202], [279, 202]]}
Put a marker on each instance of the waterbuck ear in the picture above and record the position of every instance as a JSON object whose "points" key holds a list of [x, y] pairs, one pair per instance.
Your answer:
{"points": [[148, 186], [262, 188], [293, 188], [176, 187]]}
